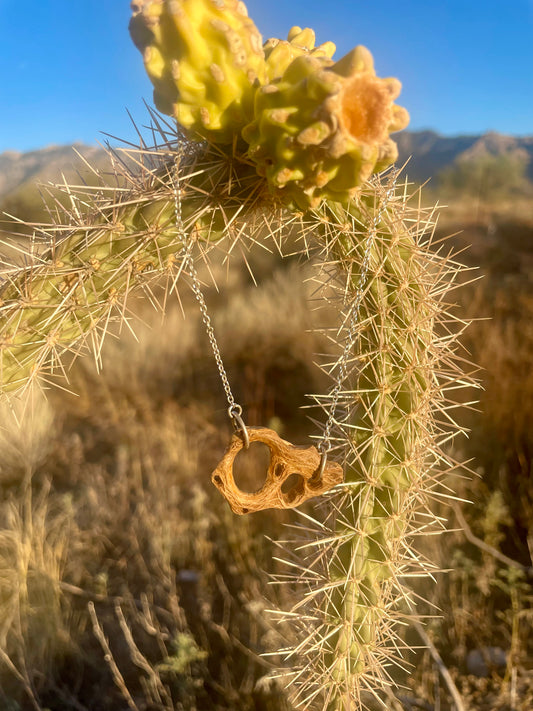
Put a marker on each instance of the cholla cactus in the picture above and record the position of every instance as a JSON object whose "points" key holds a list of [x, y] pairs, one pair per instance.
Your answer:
{"points": [[289, 128], [356, 556]]}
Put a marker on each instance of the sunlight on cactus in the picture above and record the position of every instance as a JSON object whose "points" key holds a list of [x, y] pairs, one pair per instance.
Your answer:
{"points": [[271, 140], [356, 557]]}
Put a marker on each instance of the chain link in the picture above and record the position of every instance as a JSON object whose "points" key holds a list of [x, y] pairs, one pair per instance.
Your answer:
{"points": [[197, 291]]}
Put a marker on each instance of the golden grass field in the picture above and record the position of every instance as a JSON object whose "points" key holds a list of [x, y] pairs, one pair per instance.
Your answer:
{"points": [[126, 582]]}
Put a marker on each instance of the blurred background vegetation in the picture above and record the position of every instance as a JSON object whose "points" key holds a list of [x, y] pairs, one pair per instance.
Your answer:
{"points": [[125, 581]]}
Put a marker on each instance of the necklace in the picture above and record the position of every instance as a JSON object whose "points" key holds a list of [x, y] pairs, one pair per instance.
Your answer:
{"points": [[307, 467]]}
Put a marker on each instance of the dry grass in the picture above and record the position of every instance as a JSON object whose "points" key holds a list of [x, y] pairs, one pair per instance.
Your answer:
{"points": [[485, 601], [126, 582], [138, 583]]}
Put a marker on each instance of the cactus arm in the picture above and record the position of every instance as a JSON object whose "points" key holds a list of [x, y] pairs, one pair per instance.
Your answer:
{"points": [[390, 430], [68, 296]]}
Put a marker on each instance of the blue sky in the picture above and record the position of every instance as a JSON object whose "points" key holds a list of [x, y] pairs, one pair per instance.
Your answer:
{"points": [[68, 70]]}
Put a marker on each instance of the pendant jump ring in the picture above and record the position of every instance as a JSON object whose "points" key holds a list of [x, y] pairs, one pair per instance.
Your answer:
{"points": [[323, 447], [235, 412], [322, 465]]}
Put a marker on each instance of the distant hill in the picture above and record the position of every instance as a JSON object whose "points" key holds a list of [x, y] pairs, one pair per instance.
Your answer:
{"points": [[43, 165], [431, 153], [23, 175]]}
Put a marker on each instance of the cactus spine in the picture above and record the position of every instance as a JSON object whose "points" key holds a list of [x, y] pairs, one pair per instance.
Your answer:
{"points": [[288, 129]]}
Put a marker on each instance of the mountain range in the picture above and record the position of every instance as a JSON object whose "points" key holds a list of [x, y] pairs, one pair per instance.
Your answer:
{"points": [[44, 165], [428, 153]]}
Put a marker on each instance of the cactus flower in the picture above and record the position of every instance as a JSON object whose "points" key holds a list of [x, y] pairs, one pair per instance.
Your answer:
{"points": [[322, 128]]}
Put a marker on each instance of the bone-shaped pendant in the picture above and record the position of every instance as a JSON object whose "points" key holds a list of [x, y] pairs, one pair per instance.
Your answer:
{"points": [[285, 459]]}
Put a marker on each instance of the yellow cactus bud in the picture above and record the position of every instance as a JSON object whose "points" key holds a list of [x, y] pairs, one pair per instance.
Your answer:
{"points": [[322, 128], [204, 58], [280, 53]]}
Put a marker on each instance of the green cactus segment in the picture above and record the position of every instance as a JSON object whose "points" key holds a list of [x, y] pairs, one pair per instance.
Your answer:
{"points": [[66, 299], [204, 58], [57, 306], [391, 430], [322, 128]]}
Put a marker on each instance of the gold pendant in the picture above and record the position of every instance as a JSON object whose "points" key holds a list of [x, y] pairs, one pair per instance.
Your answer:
{"points": [[286, 459]]}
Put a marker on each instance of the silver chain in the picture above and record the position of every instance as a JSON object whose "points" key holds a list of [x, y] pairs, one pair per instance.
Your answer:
{"points": [[234, 409], [324, 445]]}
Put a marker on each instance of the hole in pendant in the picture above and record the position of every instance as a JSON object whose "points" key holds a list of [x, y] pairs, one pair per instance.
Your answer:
{"points": [[217, 479], [250, 467], [279, 471], [293, 487]]}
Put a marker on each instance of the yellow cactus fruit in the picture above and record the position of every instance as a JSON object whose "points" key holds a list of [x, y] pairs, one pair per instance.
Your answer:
{"points": [[204, 58], [280, 53], [322, 128]]}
